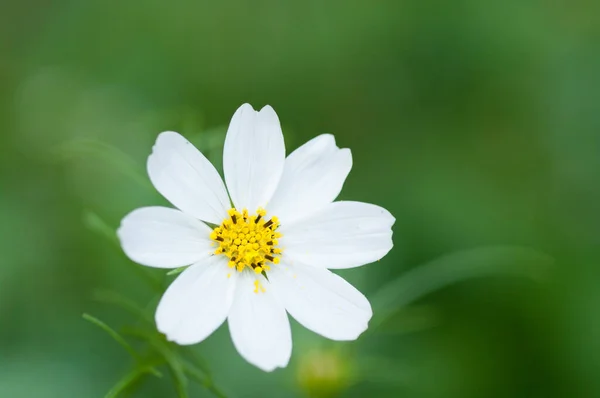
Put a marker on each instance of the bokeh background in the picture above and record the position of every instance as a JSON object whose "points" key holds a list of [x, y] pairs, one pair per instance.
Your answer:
{"points": [[476, 123]]}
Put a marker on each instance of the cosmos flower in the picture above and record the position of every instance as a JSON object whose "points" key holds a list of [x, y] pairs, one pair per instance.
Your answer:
{"points": [[260, 246]]}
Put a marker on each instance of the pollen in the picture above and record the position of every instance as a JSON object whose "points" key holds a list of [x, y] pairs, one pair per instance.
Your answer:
{"points": [[258, 287], [248, 241]]}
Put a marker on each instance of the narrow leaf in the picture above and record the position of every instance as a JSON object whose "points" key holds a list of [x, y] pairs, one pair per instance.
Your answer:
{"points": [[112, 333], [97, 225], [456, 267], [113, 156], [121, 340], [130, 378], [202, 378], [177, 271], [114, 298], [171, 358]]}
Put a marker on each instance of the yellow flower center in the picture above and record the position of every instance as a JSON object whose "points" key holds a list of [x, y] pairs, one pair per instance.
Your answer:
{"points": [[248, 241]]}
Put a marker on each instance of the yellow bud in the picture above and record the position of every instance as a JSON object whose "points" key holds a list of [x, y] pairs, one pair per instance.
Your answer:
{"points": [[324, 373]]}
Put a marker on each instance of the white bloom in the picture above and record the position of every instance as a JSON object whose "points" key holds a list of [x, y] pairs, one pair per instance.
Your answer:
{"points": [[269, 252]]}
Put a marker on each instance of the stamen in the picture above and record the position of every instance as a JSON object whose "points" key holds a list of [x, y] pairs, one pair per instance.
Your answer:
{"points": [[248, 241], [258, 287]]}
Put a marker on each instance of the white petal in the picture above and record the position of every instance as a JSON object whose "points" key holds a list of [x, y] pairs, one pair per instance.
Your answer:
{"points": [[253, 156], [342, 235], [321, 301], [259, 325], [312, 178], [197, 302], [164, 238], [187, 179]]}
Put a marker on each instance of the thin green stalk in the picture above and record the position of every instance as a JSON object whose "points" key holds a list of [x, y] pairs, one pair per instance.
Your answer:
{"points": [[86, 148], [197, 369], [129, 379], [173, 362], [110, 297], [119, 339], [456, 267], [177, 271], [112, 333], [203, 379], [97, 225]]}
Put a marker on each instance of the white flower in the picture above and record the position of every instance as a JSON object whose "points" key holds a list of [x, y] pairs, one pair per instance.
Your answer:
{"points": [[267, 255]]}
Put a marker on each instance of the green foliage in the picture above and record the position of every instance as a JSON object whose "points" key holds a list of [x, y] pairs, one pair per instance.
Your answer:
{"points": [[458, 267], [158, 352], [475, 123]]}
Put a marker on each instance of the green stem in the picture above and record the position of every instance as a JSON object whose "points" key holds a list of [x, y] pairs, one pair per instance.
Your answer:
{"points": [[178, 365], [203, 379], [96, 224], [119, 339], [129, 379], [456, 267], [173, 362], [110, 297], [112, 333]]}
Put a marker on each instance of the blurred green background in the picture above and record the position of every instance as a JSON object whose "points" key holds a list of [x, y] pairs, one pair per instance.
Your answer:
{"points": [[476, 123]]}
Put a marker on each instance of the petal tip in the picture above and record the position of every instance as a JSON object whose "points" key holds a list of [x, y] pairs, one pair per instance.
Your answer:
{"points": [[268, 114], [272, 367], [347, 154], [267, 108], [167, 135], [245, 107]]}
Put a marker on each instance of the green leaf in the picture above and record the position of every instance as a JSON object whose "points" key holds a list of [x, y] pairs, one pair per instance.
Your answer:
{"points": [[114, 298], [512, 261], [97, 225], [198, 361], [202, 378], [112, 333], [196, 368], [119, 339], [86, 148], [177, 270], [171, 358], [129, 379]]}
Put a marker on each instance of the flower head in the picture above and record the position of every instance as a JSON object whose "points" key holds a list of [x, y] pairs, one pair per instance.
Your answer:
{"points": [[264, 253]]}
